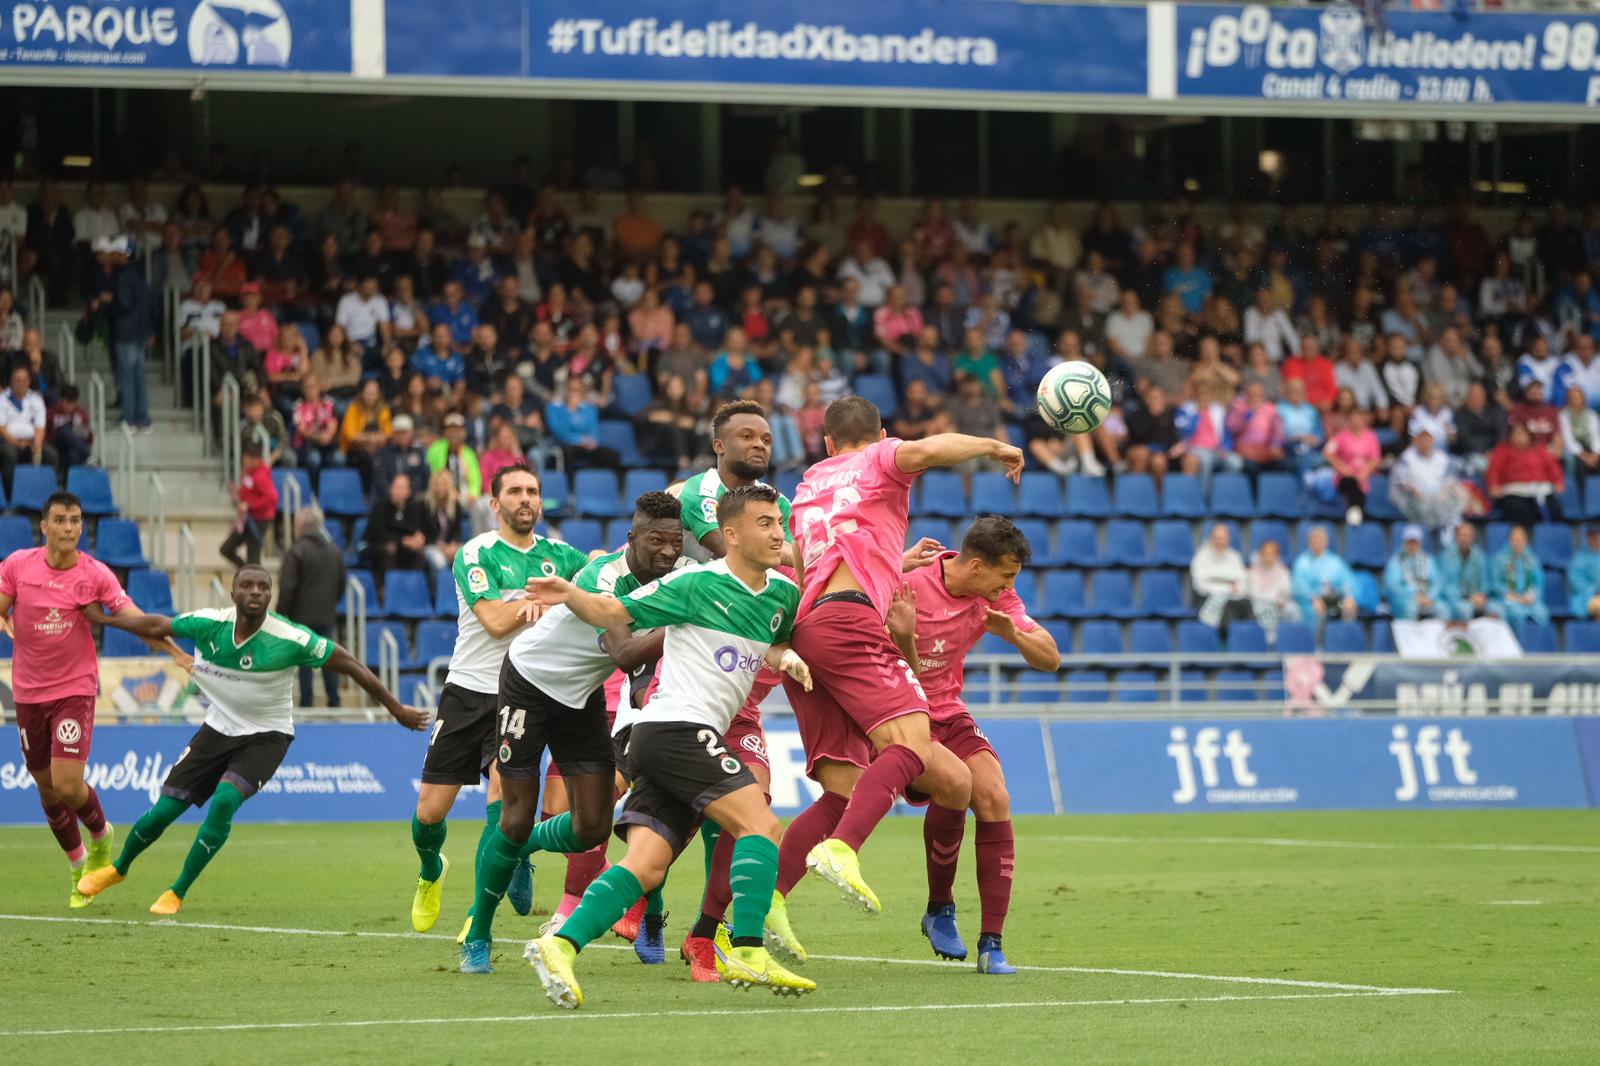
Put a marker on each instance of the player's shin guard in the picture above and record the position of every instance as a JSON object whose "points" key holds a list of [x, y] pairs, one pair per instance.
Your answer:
{"points": [[942, 830], [996, 848], [148, 829], [90, 814], [754, 874], [429, 841], [608, 899], [64, 824], [500, 858], [810, 827], [213, 834], [894, 769]]}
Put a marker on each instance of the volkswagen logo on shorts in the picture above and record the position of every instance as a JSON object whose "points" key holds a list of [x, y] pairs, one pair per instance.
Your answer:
{"points": [[68, 731], [727, 658]]}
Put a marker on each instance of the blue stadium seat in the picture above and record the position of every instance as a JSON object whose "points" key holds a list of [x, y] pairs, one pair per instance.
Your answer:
{"points": [[1248, 640], [1237, 686], [1192, 687], [358, 540], [1125, 544], [445, 604], [339, 493], [1344, 638], [1379, 505], [117, 543], [619, 437], [1583, 638], [1365, 546], [1040, 495], [1537, 639], [1181, 497], [1591, 498], [407, 690], [1552, 543], [152, 591], [1382, 637], [6, 650], [1135, 496], [638, 482], [1061, 631], [1571, 499], [1555, 594], [992, 644], [92, 486], [1197, 638], [1150, 638], [1265, 529], [435, 640], [1037, 530], [616, 532], [1496, 535], [1086, 686], [1063, 594], [975, 689], [993, 494], [583, 534], [375, 631], [1174, 543], [281, 476], [1138, 686], [1231, 496], [311, 335], [1278, 495], [1368, 598], [942, 494], [1079, 544], [119, 644], [1161, 596], [1087, 497], [16, 534], [368, 585], [31, 486], [937, 528], [1100, 638], [555, 488], [1295, 638], [788, 482], [405, 595], [595, 495], [1111, 595], [881, 391], [1027, 587], [630, 393]]}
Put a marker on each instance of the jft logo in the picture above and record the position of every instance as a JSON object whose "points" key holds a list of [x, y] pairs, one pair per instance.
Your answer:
{"points": [[1423, 759], [1199, 764]]}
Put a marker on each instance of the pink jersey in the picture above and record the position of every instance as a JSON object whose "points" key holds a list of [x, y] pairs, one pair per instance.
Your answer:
{"points": [[55, 656], [853, 509], [948, 627]]}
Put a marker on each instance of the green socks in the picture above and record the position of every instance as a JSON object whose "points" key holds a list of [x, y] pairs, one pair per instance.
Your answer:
{"points": [[148, 829], [500, 858], [709, 832], [654, 902], [607, 900], [753, 876], [428, 840], [213, 834], [554, 834]]}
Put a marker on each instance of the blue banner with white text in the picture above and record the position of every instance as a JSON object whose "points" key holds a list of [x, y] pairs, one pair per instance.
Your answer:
{"points": [[897, 44], [237, 36], [1334, 53]]}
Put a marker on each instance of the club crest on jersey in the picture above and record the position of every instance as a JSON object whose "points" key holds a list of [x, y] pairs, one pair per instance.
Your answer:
{"points": [[68, 731], [548, 568], [247, 661], [505, 752], [777, 620], [730, 765]]}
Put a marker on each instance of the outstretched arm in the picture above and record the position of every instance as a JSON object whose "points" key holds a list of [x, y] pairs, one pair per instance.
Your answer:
{"points": [[602, 612], [150, 628], [632, 650], [342, 662], [1037, 646], [951, 449]]}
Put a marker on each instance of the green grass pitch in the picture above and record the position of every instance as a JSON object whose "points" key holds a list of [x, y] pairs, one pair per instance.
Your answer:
{"points": [[1470, 937]]}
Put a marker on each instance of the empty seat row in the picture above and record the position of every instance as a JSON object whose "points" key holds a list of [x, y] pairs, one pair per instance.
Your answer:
{"points": [[116, 541], [32, 485]]}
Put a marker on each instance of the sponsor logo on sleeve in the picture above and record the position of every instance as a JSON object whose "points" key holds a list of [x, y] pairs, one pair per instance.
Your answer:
{"points": [[477, 580]]}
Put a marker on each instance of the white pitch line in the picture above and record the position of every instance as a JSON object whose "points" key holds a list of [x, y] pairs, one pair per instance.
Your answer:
{"points": [[1361, 845], [1514, 902], [1172, 975], [1043, 1004]]}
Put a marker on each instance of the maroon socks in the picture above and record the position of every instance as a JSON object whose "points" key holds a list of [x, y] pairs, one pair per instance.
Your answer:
{"points": [[942, 831], [888, 776]]}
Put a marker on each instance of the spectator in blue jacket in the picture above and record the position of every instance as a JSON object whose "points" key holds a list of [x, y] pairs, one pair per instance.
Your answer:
{"points": [[1324, 585], [454, 311], [1464, 576], [1411, 580], [574, 424], [439, 362], [1583, 576], [1516, 582]]}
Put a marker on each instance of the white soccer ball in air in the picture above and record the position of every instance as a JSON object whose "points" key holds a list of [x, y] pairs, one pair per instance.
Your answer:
{"points": [[1074, 397]]}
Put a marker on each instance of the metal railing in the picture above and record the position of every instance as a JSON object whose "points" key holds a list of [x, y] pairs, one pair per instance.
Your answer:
{"points": [[229, 417], [67, 342], [355, 624], [155, 522], [186, 568], [127, 464], [200, 382], [97, 417], [37, 301], [10, 258], [219, 594], [172, 321], [290, 502], [389, 660]]}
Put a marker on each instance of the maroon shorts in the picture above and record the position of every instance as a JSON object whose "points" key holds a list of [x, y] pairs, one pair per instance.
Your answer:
{"points": [[962, 736], [859, 681], [747, 740], [59, 729]]}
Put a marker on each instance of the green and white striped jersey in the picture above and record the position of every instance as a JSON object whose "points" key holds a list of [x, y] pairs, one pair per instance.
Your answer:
{"points": [[489, 567], [249, 686], [697, 510], [562, 655], [718, 631]]}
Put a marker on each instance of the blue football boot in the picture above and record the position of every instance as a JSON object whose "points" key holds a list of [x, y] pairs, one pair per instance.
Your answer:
{"points": [[990, 958], [940, 929], [475, 957], [520, 891], [650, 944]]}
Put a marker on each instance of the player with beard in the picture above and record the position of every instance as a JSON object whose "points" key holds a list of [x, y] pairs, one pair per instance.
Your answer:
{"points": [[491, 572]]}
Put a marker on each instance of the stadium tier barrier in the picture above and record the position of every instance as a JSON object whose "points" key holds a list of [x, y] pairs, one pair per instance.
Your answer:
{"points": [[350, 772]]}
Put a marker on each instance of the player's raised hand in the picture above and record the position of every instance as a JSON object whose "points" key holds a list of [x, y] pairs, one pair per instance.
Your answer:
{"points": [[5, 625], [1010, 457], [413, 718], [920, 554], [1000, 624], [902, 619], [791, 664], [549, 591]]}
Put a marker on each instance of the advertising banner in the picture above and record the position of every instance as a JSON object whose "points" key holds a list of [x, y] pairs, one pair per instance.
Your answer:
{"points": [[1589, 747], [1333, 53], [1468, 688], [898, 44], [255, 36]]}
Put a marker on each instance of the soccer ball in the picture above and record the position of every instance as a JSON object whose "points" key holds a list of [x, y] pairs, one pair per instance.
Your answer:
{"points": [[1074, 397]]}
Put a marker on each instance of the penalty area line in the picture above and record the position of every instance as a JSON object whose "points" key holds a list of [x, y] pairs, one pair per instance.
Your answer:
{"points": [[725, 1012], [1170, 975]]}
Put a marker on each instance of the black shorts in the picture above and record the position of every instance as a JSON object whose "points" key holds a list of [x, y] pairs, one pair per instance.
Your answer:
{"points": [[530, 721], [677, 769], [463, 741], [619, 751], [246, 762]]}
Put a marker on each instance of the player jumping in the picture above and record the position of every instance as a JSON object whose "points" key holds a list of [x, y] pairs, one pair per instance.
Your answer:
{"points": [[246, 662], [723, 619], [551, 696], [55, 676], [865, 725], [938, 617]]}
